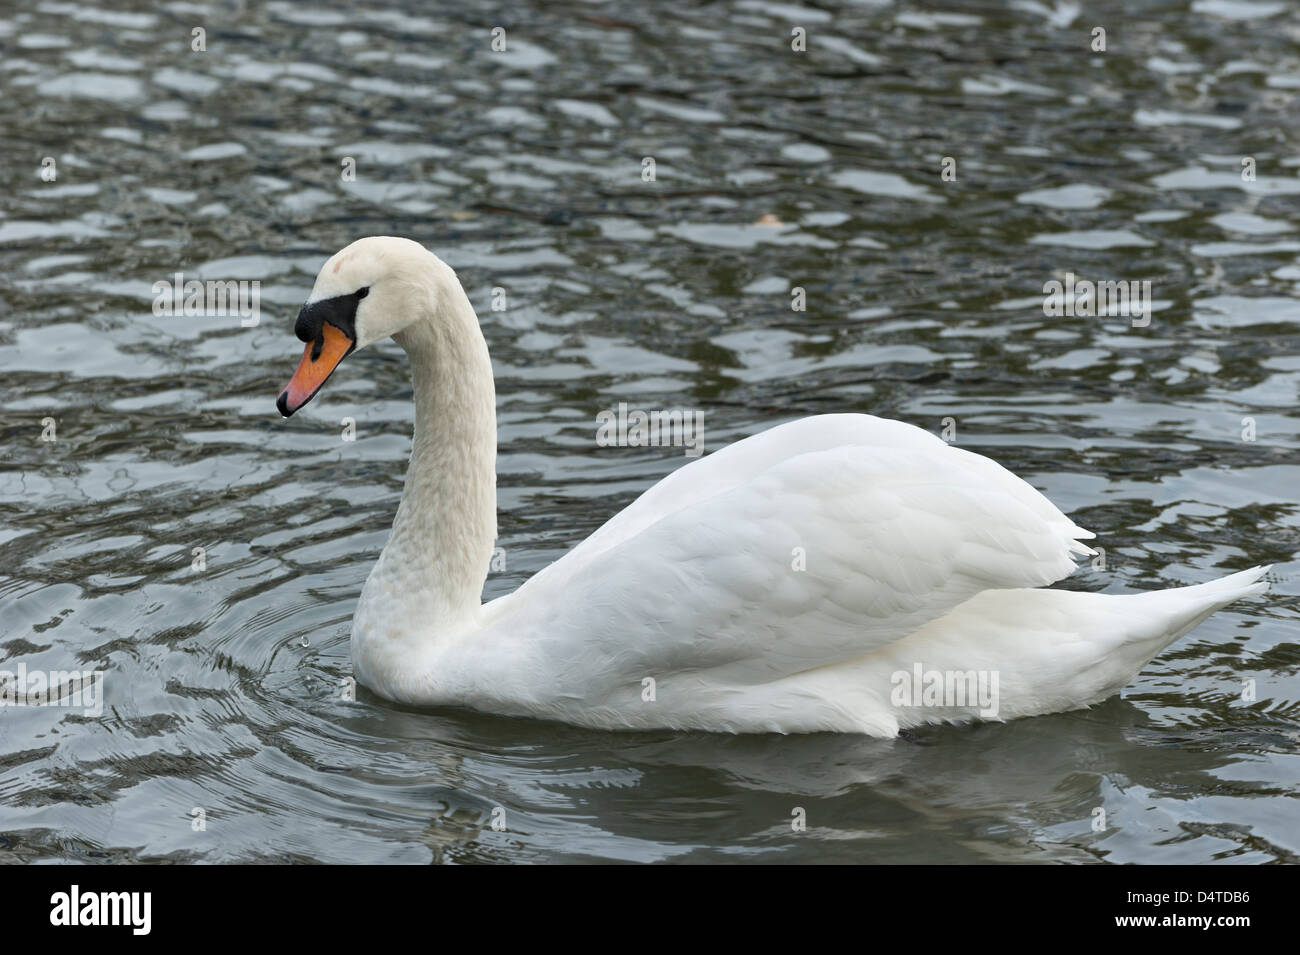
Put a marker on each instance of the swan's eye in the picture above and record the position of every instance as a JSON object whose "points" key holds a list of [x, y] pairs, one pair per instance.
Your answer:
{"points": [[363, 292]]}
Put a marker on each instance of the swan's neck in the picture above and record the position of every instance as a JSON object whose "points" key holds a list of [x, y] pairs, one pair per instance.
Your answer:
{"points": [[441, 545]]}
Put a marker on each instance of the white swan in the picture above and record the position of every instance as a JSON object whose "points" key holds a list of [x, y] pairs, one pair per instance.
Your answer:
{"points": [[689, 609]]}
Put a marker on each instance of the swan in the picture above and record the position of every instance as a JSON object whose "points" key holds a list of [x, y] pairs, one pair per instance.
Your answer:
{"points": [[841, 572]]}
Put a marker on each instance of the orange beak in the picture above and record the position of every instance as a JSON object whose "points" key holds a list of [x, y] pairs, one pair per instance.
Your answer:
{"points": [[319, 359]]}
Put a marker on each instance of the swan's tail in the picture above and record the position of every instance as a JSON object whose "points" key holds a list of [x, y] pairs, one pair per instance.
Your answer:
{"points": [[1056, 650], [1169, 614]]}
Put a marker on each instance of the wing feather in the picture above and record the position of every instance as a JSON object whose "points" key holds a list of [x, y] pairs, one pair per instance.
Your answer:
{"points": [[802, 546]]}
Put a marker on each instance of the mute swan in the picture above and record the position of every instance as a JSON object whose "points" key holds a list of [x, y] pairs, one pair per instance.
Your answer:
{"points": [[841, 572]]}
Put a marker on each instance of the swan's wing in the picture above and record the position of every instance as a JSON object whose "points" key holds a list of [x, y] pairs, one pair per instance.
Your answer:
{"points": [[741, 462], [775, 556], [738, 463]]}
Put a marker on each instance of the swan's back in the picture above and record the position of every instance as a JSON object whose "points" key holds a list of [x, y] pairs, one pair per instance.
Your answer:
{"points": [[771, 453], [755, 587]]}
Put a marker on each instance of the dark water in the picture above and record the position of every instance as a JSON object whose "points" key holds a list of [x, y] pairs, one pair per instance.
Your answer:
{"points": [[523, 170]]}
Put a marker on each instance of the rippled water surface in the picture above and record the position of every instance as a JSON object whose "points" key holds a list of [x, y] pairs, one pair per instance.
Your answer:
{"points": [[523, 169]]}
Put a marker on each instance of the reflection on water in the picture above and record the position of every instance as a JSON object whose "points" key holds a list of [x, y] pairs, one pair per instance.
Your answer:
{"points": [[524, 170]]}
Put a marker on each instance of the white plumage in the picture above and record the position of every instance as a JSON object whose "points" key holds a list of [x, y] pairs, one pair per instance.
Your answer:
{"points": [[803, 579]]}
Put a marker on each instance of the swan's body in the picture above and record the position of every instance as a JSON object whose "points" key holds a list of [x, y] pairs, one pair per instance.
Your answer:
{"points": [[792, 582]]}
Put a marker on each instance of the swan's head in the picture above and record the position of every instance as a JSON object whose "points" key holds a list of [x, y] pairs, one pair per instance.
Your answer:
{"points": [[366, 292]]}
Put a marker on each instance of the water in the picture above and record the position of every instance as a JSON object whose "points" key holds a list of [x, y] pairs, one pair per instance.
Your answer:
{"points": [[523, 170]]}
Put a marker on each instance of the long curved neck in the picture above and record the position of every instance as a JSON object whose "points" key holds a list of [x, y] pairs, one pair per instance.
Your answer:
{"points": [[442, 539]]}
